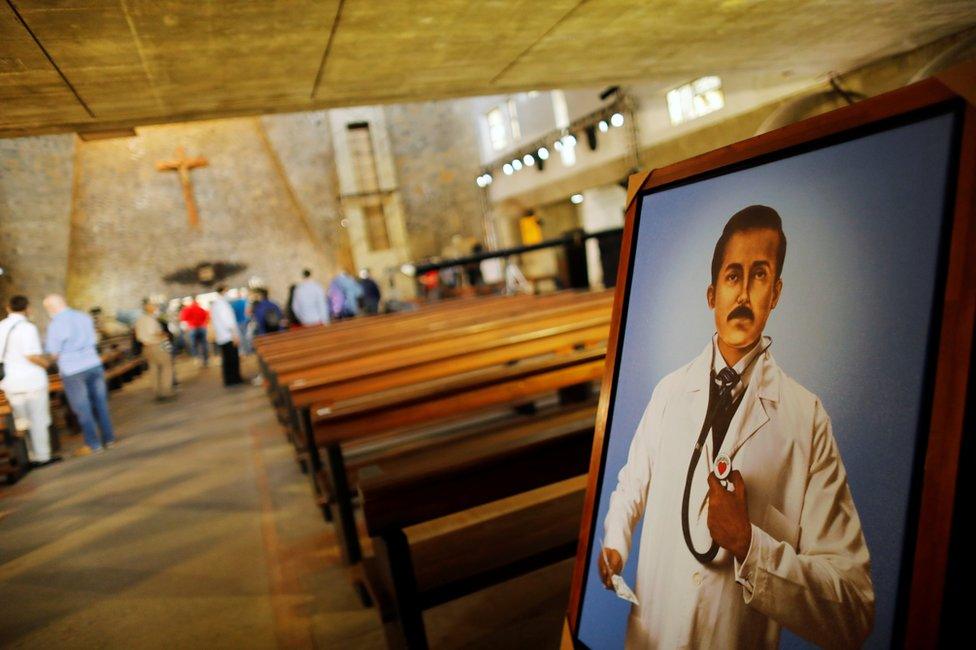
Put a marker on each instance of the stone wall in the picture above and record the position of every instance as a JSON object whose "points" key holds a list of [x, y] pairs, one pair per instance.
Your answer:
{"points": [[35, 214], [130, 227], [435, 148], [97, 221]]}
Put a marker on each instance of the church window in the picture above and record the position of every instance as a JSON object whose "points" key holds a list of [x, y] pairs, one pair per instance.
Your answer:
{"points": [[693, 100], [368, 182], [497, 131]]}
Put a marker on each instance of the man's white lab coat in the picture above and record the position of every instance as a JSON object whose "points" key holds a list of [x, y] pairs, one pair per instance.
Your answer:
{"points": [[808, 566]]}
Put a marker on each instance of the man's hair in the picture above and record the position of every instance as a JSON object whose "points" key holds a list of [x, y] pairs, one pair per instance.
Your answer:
{"points": [[221, 288], [754, 217], [262, 292], [306, 273], [18, 303]]}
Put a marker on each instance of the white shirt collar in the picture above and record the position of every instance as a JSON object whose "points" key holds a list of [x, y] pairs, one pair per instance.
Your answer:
{"points": [[744, 372]]}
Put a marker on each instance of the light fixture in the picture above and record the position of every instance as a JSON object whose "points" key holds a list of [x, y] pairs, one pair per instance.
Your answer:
{"points": [[569, 140], [543, 153], [528, 160], [576, 199], [517, 164], [488, 178], [604, 127], [617, 119], [558, 145], [480, 181], [507, 168]]}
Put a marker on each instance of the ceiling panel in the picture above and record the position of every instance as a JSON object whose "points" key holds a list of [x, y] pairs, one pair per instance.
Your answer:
{"points": [[150, 61], [31, 90]]}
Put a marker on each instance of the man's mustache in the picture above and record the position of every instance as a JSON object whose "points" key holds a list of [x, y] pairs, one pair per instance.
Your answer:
{"points": [[742, 311]]}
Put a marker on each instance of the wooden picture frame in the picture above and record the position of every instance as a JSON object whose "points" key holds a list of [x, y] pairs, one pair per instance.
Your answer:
{"points": [[934, 489]]}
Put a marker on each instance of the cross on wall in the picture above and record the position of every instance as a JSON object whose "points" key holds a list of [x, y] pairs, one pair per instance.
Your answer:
{"points": [[182, 165]]}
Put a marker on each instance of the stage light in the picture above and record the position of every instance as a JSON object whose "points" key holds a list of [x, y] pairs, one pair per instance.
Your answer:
{"points": [[517, 164], [480, 181], [576, 199], [543, 153], [558, 145], [604, 127], [617, 119], [488, 178], [569, 140], [507, 168], [528, 160]]}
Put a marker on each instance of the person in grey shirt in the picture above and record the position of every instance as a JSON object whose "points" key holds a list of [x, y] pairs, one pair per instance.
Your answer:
{"points": [[70, 341]]}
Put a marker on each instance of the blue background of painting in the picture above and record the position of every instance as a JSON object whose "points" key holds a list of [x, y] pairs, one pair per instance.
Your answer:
{"points": [[862, 220]]}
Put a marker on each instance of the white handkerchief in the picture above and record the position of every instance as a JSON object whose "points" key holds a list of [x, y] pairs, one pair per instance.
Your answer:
{"points": [[622, 590]]}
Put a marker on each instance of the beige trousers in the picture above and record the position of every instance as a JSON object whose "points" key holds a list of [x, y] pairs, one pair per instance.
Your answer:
{"points": [[161, 369]]}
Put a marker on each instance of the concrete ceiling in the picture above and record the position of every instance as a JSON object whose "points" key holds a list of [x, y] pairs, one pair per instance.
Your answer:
{"points": [[73, 65]]}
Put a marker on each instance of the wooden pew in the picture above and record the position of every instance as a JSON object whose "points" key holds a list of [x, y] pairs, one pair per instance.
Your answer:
{"points": [[414, 407], [321, 367], [13, 448], [430, 546], [385, 369]]}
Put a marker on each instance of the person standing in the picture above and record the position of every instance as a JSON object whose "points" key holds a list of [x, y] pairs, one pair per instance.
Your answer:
{"points": [[266, 314], [70, 341], [238, 302], [227, 336], [371, 293], [309, 302], [156, 348], [344, 295], [24, 379], [194, 317]]}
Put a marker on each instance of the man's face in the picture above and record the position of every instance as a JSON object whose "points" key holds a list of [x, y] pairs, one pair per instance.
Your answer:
{"points": [[746, 289]]}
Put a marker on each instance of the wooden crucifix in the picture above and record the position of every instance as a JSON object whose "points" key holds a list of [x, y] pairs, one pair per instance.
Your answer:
{"points": [[183, 165]]}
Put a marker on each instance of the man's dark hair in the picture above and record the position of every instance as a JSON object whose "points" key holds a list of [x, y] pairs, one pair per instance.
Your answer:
{"points": [[18, 303], [306, 273], [755, 217], [262, 293], [221, 288]]}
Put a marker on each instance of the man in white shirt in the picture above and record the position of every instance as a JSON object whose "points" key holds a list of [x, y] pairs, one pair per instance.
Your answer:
{"points": [[25, 379], [227, 336], [309, 302], [768, 535]]}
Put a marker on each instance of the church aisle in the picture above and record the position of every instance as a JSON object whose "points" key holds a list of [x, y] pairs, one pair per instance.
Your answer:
{"points": [[199, 531]]}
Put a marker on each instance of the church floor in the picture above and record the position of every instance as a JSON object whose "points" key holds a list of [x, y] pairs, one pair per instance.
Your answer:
{"points": [[199, 531]]}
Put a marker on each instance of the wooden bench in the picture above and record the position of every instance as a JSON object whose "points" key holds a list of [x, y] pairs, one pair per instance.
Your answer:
{"points": [[386, 369], [481, 514], [14, 462], [415, 407]]}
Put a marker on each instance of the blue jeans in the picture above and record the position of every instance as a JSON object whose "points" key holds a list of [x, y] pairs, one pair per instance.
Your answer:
{"points": [[198, 344], [88, 398]]}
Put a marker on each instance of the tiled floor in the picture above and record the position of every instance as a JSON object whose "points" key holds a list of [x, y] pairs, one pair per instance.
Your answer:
{"points": [[199, 531]]}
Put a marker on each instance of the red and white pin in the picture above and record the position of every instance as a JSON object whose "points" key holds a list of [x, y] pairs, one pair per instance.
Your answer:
{"points": [[723, 467]]}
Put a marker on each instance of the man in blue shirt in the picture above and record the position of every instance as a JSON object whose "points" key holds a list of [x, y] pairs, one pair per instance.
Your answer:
{"points": [[71, 342]]}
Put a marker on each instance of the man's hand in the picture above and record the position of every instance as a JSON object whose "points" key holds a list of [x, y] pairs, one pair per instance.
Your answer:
{"points": [[611, 564], [728, 515]]}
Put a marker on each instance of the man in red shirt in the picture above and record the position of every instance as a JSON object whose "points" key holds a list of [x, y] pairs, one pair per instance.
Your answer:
{"points": [[194, 319]]}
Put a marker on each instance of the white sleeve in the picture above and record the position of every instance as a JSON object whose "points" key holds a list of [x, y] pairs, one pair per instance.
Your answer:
{"points": [[629, 497], [822, 589]]}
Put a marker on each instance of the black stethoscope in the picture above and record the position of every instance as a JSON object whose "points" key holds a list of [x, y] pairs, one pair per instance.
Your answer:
{"points": [[710, 414]]}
